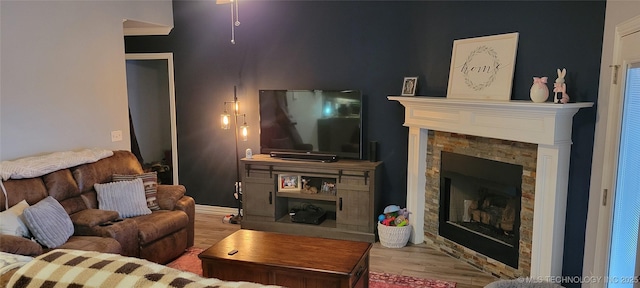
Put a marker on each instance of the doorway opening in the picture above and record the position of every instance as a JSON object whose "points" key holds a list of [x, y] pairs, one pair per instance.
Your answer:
{"points": [[151, 95]]}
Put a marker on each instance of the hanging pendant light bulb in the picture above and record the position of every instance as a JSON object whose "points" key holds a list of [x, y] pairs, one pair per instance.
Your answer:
{"points": [[225, 120], [244, 129]]}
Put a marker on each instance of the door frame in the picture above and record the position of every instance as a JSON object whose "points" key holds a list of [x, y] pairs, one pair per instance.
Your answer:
{"points": [[172, 102], [597, 254]]}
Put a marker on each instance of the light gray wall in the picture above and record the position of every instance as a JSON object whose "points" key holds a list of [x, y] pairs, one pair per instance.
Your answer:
{"points": [[63, 84], [617, 12], [148, 88]]}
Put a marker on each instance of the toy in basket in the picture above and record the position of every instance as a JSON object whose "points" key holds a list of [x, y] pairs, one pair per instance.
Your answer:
{"points": [[393, 227]]}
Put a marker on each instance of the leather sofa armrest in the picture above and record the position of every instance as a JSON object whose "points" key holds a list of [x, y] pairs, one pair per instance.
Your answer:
{"points": [[85, 220], [125, 232], [168, 195], [19, 245], [188, 205]]}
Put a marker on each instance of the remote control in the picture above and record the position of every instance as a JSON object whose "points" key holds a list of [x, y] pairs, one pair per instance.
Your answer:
{"points": [[234, 251]]}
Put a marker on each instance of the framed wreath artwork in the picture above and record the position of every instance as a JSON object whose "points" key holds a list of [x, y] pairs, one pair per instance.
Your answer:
{"points": [[409, 86], [482, 67]]}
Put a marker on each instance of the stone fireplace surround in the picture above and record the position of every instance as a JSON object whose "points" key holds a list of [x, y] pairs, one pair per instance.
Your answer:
{"points": [[546, 124], [505, 151]]}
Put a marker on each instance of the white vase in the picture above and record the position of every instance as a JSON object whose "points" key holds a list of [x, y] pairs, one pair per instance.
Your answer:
{"points": [[539, 92]]}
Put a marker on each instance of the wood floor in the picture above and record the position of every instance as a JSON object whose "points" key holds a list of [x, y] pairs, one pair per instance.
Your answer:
{"points": [[412, 260]]}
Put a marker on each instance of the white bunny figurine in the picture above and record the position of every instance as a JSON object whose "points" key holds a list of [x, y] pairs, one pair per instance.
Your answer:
{"points": [[560, 88]]}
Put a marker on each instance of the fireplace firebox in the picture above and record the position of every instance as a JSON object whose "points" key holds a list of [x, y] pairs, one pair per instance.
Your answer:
{"points": [[480, 205]]}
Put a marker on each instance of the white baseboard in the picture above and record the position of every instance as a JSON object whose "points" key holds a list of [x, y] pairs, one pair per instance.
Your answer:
{"points": [[207, 209]]}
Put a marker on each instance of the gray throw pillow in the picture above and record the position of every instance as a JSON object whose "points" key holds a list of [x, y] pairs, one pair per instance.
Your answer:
{"points": [[126, 197], [150, 181], [48, 222]]}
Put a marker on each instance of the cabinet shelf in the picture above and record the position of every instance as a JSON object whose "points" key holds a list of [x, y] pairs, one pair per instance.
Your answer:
{"points": [[299, 195], [327, 223]]}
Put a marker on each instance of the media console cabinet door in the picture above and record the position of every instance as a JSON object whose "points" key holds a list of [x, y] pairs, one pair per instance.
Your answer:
{"points": [[258, 194], [355, 212]]}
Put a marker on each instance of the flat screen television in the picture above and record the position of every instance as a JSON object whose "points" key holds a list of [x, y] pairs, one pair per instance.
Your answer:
{"points": [[323, 122]]}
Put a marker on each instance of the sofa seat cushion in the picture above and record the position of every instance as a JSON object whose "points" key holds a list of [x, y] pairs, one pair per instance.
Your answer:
{"points": [[159, 224], [93, 243]]}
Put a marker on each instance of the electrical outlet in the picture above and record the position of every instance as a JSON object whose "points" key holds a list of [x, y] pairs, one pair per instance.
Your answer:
{"points": [[116, 135]]}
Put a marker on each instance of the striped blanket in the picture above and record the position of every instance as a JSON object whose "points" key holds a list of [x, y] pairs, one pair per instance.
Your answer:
{"points": [[74, 268]]}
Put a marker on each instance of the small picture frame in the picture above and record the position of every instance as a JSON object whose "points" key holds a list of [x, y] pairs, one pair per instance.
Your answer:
{"points": [[409, 86], [289, 183]]}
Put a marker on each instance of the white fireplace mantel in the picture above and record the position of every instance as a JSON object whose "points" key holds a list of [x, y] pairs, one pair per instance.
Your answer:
{"points": [[546, 124]]}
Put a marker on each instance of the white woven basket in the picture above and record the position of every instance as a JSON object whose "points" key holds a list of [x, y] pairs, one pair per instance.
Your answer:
{"points": [[393, 236]]}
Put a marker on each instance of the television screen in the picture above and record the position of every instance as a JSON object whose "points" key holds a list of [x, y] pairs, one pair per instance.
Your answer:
{"points": [[317, 121]]}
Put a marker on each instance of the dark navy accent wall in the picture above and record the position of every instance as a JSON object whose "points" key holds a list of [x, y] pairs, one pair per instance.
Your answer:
{"points": [[370, 46]]}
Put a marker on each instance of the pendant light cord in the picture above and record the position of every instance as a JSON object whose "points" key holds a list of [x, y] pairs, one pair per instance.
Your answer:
{"points": [[235, 20], [233, 36]]}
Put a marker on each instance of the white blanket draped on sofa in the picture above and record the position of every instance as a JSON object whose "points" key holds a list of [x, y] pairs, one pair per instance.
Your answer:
{"points": [[36, 166]]}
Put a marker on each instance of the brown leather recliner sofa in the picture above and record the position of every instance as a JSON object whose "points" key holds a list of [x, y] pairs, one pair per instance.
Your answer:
{"points": [[160, 236]]}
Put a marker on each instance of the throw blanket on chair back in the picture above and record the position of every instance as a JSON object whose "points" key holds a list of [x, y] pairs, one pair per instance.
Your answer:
{"points": [[75, 268]]}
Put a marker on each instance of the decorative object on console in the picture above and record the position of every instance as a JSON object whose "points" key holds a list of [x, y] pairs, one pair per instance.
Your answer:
{"points": [[373, 151], [307, 187], [539, 91], [560, 95], [243, 131], [409, 86], [289, 183], [482, 67]]}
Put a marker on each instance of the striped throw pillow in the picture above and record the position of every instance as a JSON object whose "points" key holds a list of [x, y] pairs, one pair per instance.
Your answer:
{"points": [[150, 181]]}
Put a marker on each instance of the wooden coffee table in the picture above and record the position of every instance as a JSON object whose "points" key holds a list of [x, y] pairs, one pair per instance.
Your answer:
{"points": [[288, 260]]}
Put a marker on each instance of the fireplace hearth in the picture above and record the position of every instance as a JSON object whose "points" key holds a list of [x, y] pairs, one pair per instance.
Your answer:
{"points": [[480, 205]]}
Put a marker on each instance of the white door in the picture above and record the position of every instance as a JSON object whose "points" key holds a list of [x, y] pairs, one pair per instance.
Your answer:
{"points": [[624, 164]]}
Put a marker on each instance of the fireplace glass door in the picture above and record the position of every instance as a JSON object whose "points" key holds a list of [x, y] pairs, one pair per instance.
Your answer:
{"points": [[480, 205]]}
